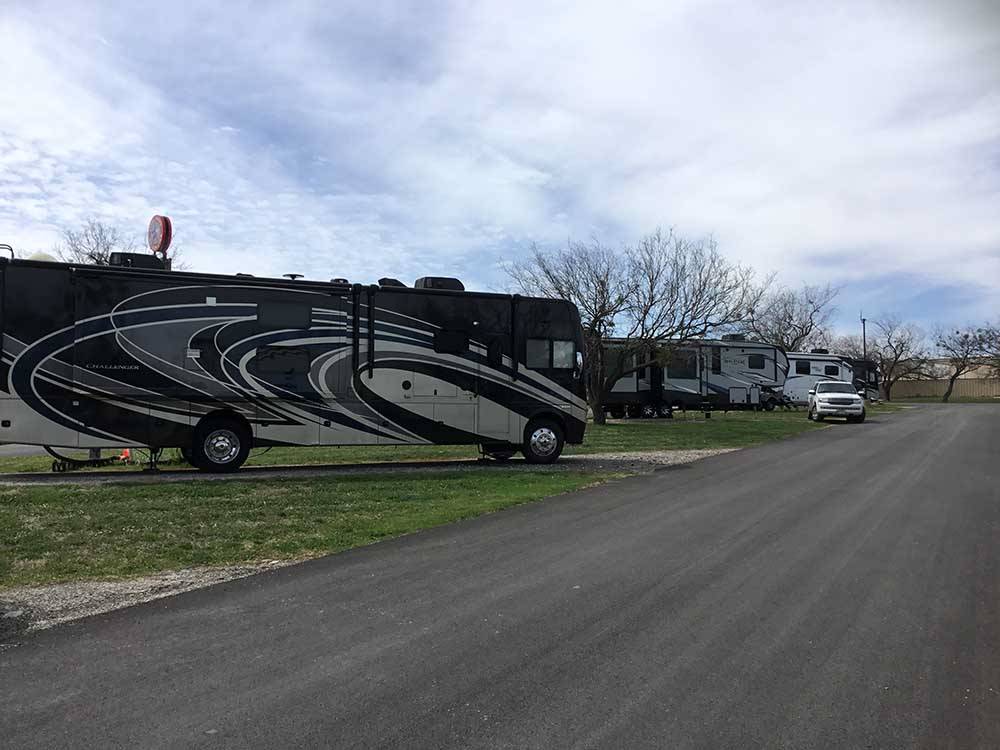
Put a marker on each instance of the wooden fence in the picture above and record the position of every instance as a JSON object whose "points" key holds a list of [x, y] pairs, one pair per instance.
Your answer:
{"points": [[967, 387]]}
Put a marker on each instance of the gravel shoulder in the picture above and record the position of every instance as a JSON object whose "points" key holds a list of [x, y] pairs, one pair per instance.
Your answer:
{"points": [[30, 608]]}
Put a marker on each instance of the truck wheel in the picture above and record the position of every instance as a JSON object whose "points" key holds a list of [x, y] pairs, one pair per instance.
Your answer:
{"points": [[769, 405], [543, 441], [221, 444]]}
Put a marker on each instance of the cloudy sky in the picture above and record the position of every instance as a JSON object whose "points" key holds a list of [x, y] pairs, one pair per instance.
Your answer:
{"points": [[851, 143]]}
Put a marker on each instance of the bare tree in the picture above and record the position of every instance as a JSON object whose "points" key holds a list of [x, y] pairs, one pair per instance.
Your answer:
{"points": [[650, 297], [898, 350], [94, 243], [794, 319], [601, 282], [849, 346], [963, 349], [991, 347]]}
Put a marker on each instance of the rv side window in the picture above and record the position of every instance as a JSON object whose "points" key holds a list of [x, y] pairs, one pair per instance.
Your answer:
{"points": [[831, 370], [755, 361], [802, 367], [683, 365], [537, 354], [282, 360], [563, 355], [284, 315], [451, 342], [716, 360]]}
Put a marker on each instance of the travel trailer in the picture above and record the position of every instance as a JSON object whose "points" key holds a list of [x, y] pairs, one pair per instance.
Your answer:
{"points": [[134, 354], [805, 369], [727, 373]]}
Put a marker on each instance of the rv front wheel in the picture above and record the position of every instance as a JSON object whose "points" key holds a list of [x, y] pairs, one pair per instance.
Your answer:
{"points": [[543, 441], [221, 444]]}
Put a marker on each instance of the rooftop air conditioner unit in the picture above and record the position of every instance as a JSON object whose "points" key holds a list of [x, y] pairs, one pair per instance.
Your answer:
{"points": [[439, 282]]}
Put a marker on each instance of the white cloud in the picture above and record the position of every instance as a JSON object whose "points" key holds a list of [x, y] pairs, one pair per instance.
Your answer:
{"points": [[369, 140]]}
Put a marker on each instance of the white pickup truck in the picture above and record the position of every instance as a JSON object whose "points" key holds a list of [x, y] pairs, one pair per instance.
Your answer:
{"points": [[831, 398]]}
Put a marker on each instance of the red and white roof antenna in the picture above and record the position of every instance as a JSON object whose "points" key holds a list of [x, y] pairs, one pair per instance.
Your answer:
{"points": [[159, 234]]}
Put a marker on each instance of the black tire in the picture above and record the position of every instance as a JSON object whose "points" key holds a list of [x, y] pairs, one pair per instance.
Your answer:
{"points": [[221, 444], [543, 441], [665, 411], [858, 419], [648, 412], [769, 405], [617, 412]]}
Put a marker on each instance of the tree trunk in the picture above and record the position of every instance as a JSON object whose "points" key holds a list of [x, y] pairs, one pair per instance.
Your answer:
{"points": [[597, 409], [887, 389], [951, 387]]}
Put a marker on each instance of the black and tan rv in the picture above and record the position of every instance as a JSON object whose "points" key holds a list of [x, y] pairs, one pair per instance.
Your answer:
{"points": [[134, 354]]}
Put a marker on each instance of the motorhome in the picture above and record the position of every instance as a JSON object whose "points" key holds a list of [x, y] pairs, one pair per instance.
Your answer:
{"points": [[866, 378], [805, 369], [726, 373], [135, 354]]}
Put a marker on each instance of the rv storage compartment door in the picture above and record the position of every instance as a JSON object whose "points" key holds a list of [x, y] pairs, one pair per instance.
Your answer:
{"points": [[737, 395]]}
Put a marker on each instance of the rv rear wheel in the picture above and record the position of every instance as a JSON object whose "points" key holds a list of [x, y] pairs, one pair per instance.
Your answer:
{"points": [[543, 441], [221, 444], [648, 411], [769, 405], [666, 411]]}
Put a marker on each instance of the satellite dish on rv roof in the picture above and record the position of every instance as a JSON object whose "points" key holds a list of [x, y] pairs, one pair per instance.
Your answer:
{"points": [[159, 234]]}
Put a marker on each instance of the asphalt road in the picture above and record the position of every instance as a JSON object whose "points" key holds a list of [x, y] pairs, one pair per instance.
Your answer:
{"points": [[841, 589]]}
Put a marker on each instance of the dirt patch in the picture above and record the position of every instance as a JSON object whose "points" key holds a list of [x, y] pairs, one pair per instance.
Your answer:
{"points": [[28, 608]]}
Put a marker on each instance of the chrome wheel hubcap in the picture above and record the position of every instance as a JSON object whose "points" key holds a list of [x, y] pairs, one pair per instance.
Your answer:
{"points": [[543, 441], [222, 446]]}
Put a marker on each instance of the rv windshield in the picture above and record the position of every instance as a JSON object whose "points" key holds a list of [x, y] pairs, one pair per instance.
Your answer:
{"points": [[835, 388]]}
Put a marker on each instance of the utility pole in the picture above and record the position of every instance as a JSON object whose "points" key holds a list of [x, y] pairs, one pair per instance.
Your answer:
{"points": [[864, 338]]}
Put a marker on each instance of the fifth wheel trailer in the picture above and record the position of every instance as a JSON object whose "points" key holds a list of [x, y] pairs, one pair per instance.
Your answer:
{"points": [[138, 355], [723, 373]]}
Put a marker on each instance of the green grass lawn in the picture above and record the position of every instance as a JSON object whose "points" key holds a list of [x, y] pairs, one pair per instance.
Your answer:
{"points": [[61, 533], [733, 430], [952, 400]]}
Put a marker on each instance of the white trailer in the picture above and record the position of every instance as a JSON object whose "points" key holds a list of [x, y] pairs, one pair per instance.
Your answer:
{"points": [[805, 369]]}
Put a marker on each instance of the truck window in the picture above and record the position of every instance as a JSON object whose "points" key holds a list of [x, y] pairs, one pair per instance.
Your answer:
{"points": [[284, 315], [755, 361], [831, 370], [802, 366], [537, 354]]}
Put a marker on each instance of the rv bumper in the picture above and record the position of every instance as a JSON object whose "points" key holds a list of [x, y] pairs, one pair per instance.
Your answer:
{"points": [[574, 430]]}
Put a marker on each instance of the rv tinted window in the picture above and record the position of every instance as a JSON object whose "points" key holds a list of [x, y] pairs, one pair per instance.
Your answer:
{"points": [[563, 354], [284, 315], [537, 354], [282, 360], [683, 365], [451, 342], [755, 361], [716, 360], [802, 367], [831, 370]]}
